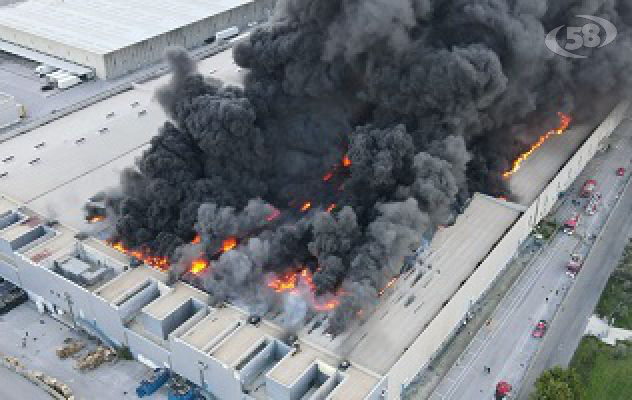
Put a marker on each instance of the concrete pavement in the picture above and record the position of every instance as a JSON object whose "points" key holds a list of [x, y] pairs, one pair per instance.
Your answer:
{"points": [[111, 381], [15, 387]]}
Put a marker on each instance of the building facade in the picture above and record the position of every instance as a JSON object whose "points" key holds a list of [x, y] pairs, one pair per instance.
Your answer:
{"points": [[115, 37], [220, 349]]}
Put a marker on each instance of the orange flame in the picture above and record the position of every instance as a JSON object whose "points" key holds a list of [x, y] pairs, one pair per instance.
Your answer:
{"points": [[155, 261], [198, 266], [346, 161], [300, 283], [95, 218], [284, 283], [388, 285], [306, 206], [328, 176], [197, 239], [229, 244], [565, 121], [331, 207]]}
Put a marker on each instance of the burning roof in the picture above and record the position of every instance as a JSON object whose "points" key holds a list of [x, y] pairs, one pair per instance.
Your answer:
{"points": [[355, 132]]}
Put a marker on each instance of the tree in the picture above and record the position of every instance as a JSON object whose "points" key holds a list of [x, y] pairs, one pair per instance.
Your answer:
{"points": [[620, 351], [557, 384]]}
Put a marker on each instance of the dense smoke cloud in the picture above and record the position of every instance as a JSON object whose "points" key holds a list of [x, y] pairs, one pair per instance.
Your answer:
{"points": [[430, 99]]}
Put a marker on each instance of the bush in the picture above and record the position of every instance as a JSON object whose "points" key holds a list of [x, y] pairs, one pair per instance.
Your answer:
{"points": [[585, 357], [124, 353], [620, 351], [557, 384]]}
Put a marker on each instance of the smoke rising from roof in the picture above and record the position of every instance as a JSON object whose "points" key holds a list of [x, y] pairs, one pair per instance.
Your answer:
{"points": [[430, 99]]}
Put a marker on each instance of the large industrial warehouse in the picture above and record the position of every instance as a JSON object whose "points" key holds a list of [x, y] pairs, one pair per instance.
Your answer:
{"points": [[220, 349], [114, 37]]}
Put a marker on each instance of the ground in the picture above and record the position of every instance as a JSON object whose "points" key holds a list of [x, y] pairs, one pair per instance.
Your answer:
{"points": [[13, 386], [615, 303], [604, 370], [117, 381], [17, 78]]}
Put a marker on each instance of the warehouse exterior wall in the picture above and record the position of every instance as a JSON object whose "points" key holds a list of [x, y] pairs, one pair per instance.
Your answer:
{"points": [[60, 50], [122, 61], [8, 268], [205, 371], [135, 56], [443, 326]]}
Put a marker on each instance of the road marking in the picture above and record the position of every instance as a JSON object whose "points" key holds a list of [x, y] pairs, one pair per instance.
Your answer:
{"points": [[521, 289], [527, 281]]}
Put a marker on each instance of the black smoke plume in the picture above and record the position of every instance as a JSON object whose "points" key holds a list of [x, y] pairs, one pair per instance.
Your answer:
{"points": [[430, 99]]}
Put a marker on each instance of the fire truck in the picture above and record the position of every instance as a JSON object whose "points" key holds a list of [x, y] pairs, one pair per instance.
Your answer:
{"points": [[588, 188], [503, 390], [593, 204], [571, 224]]}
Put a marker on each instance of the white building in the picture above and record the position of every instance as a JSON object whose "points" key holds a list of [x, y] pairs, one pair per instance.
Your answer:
{"points": [[221, 350], [114, 37], [9, 110], [65, 162]]}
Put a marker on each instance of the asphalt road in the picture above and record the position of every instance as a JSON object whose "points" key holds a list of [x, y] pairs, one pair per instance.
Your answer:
{"points": [[570, 323], [505, 344]]}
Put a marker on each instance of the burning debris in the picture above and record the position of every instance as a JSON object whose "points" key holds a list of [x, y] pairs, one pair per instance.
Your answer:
{"points": [[355, 133], [300, 283], [143, 255], [198, 266]]}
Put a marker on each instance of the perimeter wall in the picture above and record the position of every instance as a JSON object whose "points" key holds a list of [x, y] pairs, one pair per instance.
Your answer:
{"points": [[443, 326]]}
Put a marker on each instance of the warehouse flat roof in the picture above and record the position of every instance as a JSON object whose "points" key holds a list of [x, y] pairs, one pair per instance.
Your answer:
{"points": [[415, 300], [128, 281], [536, 172], [291, 367], [53, 248], [236, 346], [42, 58], [208, 329], [177, 295], [64, 176], [357, 384], [16, 230], [102, 26]]}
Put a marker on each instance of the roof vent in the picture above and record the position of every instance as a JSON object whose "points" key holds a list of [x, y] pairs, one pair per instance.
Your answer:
{"points": [[254, 320], [344, 365]]}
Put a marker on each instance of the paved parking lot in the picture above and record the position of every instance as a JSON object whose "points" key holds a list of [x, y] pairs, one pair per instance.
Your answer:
{"points": [[15, 387], [116, 381]]}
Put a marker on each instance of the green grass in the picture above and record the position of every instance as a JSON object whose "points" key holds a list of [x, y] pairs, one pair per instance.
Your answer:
{"points": [[546, 228], [616, 299], [605, 372]]}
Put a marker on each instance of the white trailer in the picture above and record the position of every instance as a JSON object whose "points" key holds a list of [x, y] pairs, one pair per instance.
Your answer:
{"points": [[9, 110], [45, 69], [68, 82], [53, 77], [226, 33]]}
